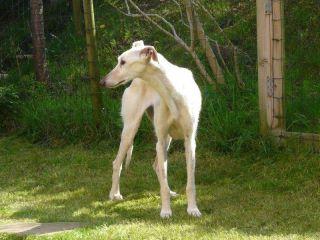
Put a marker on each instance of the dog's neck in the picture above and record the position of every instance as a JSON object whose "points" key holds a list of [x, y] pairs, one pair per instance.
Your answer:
{"points": [[156, 76]]}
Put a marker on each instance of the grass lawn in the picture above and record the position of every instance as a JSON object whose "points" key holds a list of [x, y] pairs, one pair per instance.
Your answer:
{"points": [[241, 197]]}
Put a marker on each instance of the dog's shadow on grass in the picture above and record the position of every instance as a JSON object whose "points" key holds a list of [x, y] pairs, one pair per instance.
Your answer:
{"points": [[252, 213], [78, 192]]}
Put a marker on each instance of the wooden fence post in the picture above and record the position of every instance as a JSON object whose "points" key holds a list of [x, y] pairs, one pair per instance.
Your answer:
{"points": [[278, 63], [270, 35], [38, 41], [77, 16], [92, 60]]}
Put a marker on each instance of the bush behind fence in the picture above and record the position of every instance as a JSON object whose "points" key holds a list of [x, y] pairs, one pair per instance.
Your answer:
{"points": [[62, 113]]}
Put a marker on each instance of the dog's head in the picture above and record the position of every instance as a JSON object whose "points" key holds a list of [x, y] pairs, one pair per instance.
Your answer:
{"points": [[131, 64]]}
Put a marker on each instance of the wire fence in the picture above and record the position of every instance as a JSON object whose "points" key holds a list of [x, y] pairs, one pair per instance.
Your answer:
{"points": [[300, 93], [63, 112], [302, 79]]}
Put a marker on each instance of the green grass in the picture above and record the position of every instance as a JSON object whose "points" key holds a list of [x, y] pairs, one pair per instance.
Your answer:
{"points": [[241, 197], [252, 191]]}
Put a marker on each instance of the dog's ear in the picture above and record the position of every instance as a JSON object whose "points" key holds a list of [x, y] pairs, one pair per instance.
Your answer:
{"points": [[150, 53], [138, 44]]}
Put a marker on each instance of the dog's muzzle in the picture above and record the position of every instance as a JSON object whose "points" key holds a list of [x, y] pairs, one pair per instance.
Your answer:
{"points": [[104, 80], [105, 83]]}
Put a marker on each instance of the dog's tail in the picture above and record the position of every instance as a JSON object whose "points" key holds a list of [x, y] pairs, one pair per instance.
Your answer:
{"points": [[129, 155]]}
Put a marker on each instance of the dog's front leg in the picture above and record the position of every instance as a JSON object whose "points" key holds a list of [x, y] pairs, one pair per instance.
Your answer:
{"points": [[127, 136], [190, 148], [132, 109]]}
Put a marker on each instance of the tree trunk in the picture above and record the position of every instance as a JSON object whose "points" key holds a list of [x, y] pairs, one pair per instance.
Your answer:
{"points": [[192, 29], [77, 16], [196, 27], [206, 46], [38, 40], [92, 60]]}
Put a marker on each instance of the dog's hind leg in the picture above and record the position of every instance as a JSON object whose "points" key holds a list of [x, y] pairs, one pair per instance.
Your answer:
{"points": [[156, 167], [129, 156], [162, 123]]}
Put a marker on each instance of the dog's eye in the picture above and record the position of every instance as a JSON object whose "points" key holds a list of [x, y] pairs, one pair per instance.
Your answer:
{"points": [[122, 62]]}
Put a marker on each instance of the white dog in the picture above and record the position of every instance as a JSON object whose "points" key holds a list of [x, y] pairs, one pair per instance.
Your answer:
{"points": [[176, 102]]}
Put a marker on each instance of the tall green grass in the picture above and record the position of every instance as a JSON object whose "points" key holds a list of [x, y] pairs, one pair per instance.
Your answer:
{"points": [[229, 121]]}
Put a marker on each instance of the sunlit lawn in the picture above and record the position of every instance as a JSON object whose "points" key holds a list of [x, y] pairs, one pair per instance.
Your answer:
{"points": [[244, 197]]}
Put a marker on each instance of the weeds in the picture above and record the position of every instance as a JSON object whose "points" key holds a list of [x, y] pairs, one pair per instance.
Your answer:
{"points": [[62, 113]]}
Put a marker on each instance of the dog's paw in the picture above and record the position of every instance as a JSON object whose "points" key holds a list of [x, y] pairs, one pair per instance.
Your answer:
{"points": [[165, 213], [173, 194], [194, 211], [115, 197]]}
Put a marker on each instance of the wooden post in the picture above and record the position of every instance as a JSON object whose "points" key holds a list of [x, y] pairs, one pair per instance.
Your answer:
{"points": [[92, 60], [77, 16], [278, 56], [38, 41], [270, 64]]}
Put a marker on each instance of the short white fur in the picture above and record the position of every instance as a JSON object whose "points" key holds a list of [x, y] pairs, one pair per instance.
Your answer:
{"points": [[176, 100]]}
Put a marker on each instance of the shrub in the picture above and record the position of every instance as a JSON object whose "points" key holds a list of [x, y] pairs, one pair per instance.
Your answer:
{"points": [[9, 104]]}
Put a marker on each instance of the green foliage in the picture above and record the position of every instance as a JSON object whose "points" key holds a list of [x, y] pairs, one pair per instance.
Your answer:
{"points": [[302, 65], [223, 116], [229, 121], [9, 104]]}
